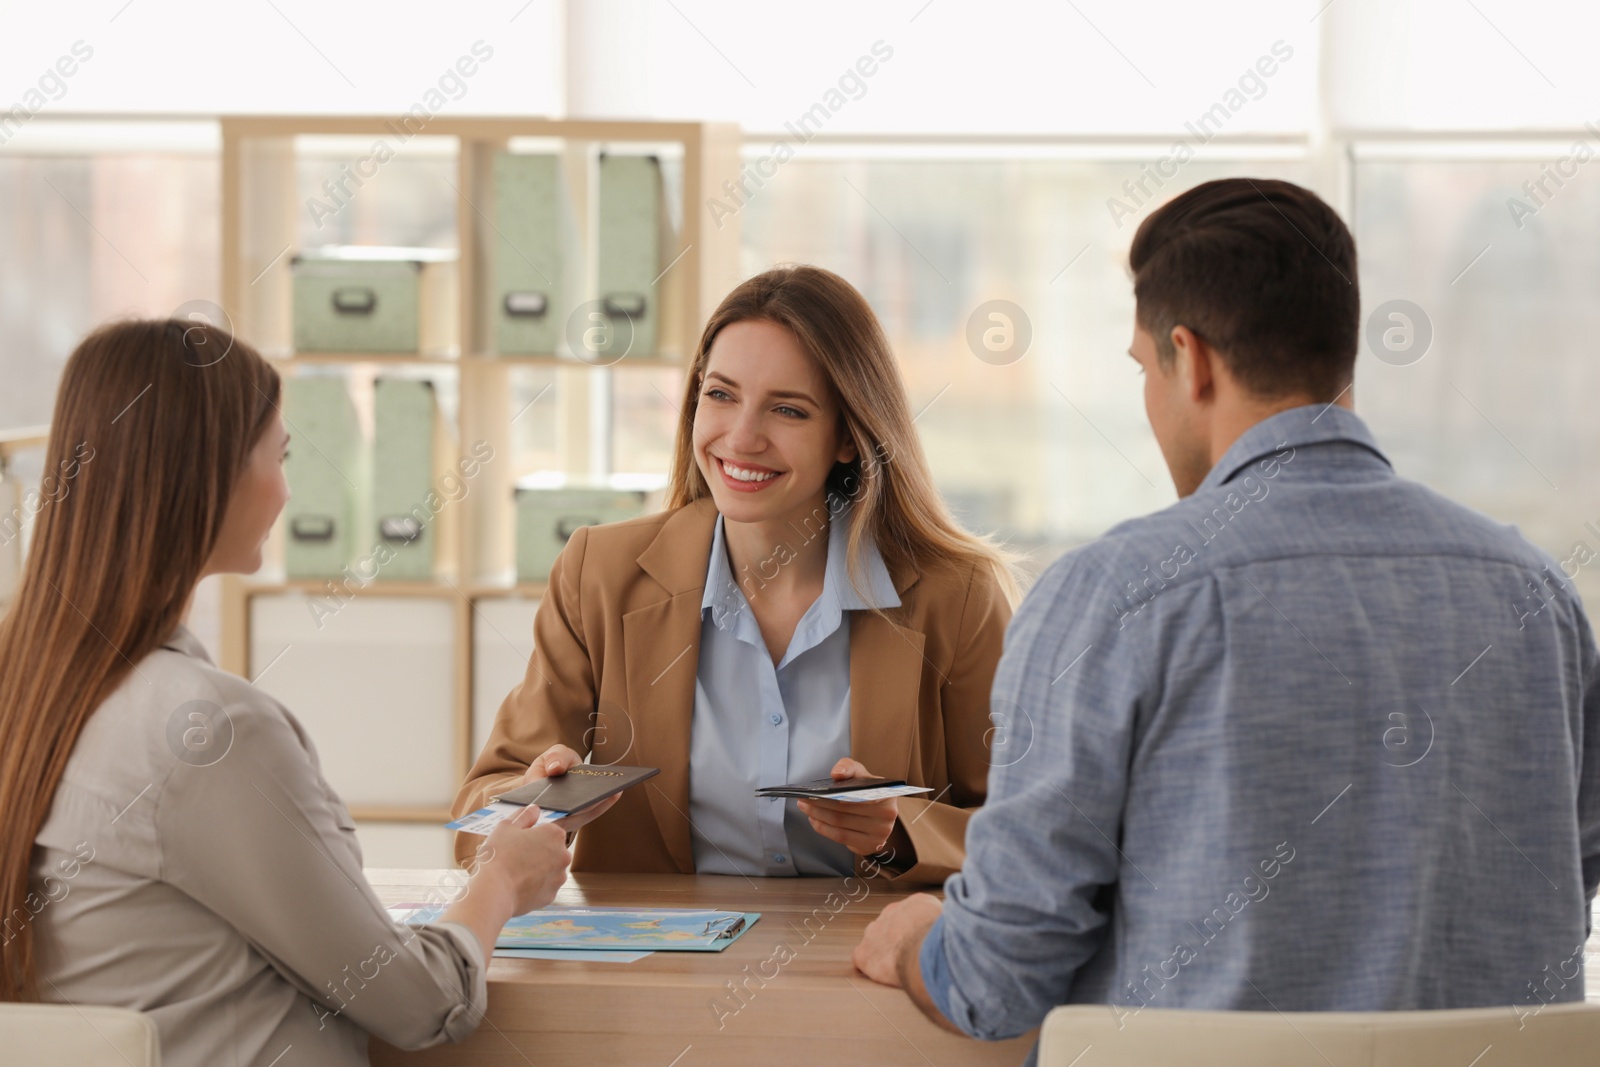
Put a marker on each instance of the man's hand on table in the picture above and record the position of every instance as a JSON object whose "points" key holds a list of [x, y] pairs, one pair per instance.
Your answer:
{"points": [[897, 930], [889, 950]]}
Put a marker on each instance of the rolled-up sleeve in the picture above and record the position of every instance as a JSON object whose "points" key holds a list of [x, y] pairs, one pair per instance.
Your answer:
{"points": [[1029, 907], [259, 839], [935, 968]]}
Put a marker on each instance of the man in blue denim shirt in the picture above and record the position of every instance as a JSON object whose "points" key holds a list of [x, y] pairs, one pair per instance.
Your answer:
{"points": [[1313, 738]]}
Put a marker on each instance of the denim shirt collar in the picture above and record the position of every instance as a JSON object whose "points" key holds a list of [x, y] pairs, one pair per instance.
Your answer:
{"points": [[1308, 425]]}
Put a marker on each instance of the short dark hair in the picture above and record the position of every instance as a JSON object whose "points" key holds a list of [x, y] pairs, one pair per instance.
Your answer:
{"points": [[1262, 270]]}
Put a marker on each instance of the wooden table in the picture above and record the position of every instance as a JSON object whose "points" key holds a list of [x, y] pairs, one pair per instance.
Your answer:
{"points": [[784, 993]]}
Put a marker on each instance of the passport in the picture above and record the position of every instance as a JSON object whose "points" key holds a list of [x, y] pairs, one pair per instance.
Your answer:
{"points": [[583, 786], [824, 788]]}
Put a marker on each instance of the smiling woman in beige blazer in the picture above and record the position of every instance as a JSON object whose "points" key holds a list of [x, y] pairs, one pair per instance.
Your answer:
{"points": [[805, 607]]}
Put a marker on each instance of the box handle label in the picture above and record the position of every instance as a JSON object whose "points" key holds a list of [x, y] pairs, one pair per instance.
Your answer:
{"points": [[354, 301], [629, 305], [312, 528], [526, 305], [403, 529]]}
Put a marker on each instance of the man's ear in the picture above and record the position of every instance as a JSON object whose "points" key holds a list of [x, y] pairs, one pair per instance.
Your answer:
{"points": [[1194, 362]]}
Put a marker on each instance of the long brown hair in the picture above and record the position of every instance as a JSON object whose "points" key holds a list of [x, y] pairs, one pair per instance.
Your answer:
{"points": [[888, 486], [153, 424]]}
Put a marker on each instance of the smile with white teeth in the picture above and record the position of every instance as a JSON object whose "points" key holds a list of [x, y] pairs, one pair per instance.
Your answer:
{"points": [[744, 475]]}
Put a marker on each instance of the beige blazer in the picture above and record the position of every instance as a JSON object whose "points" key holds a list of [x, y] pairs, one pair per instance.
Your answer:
{"points": [[616, 652], [196, 865]]}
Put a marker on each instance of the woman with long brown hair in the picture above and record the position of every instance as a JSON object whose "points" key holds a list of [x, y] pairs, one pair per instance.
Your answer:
{"points": [[805, 608], [169, 843]]}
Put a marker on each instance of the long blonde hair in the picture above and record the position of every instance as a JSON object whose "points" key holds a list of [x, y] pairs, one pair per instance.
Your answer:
{"points": [[888, 486], [153, 425]]}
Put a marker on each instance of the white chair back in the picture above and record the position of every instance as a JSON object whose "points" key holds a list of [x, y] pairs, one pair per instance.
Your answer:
{"points": [[1083, 1035], [76, 1036]]}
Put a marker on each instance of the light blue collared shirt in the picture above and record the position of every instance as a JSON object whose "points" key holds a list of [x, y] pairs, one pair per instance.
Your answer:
{"points": [[756, 724], [1311, 739]]}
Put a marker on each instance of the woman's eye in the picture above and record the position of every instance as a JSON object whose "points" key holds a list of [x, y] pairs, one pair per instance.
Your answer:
{"points": [[793, 412], [716, 394]]}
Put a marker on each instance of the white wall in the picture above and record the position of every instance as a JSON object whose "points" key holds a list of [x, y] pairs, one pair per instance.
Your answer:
{"points": [[957, 66]]}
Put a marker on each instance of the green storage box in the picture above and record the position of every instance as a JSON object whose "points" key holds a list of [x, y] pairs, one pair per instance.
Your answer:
{"points": [[359, 298], [546, 517], [323, 472], [629, 255], [405, 428], [529, 200]]}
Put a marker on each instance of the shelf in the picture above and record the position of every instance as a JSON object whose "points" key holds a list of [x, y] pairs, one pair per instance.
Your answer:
{"points": [[383, 813], [526, 590], [376, 587], [380, 587], [408, 359], [654, 362], [479, 128], [416, 359], [20, 440], [262, 221]]}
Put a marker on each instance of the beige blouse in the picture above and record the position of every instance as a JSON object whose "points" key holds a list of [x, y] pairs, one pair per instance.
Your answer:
{"points": [[196, 866]]}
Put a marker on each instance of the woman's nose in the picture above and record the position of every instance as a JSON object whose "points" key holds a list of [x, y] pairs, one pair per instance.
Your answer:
{"points": [[745, 433]]}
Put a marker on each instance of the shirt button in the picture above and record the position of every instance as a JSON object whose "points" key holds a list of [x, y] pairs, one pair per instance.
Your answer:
{"points": [[780, 858], [777, 720]]}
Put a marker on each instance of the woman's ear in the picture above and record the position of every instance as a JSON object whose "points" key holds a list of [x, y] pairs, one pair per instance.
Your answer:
{"points": [[847, 447]]}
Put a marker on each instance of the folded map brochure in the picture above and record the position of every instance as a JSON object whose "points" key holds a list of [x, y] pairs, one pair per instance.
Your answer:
{"points": [[855, 790], [581, 787], [632, 929]]}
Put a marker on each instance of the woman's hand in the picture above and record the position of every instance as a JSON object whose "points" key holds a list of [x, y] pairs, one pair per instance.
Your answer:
{"points": [[556, 761], [530, 860], [573, 823], [521, 867], [863, 827]]}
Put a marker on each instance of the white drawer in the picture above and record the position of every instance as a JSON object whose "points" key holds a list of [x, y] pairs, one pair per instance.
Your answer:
{"points": [[374, 685], [409, 845], [502, 643]]}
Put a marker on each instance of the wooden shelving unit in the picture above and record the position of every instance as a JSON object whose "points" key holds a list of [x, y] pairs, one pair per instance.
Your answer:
{"points": [[12, 495], [260, 230]]}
